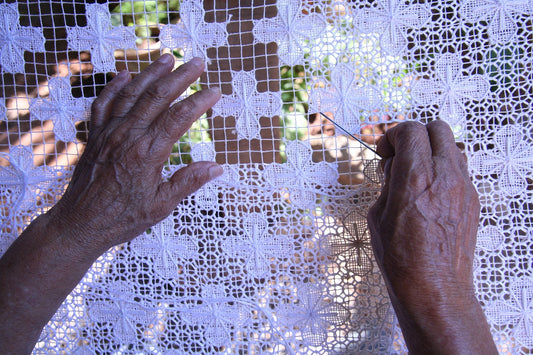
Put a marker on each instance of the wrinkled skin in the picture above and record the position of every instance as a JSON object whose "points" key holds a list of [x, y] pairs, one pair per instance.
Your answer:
{"points": [[423, 229], [117, 188], [428, 210], [116, 192], [423, 226]]}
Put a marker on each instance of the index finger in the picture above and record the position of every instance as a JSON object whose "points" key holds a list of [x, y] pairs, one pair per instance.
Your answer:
{"points": [[128, 95], [408, 143], [408, 151], [158, 97]]}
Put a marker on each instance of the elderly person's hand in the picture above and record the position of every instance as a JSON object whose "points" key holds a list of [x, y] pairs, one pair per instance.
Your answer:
{"points": [[423, 230], [116, 192]]}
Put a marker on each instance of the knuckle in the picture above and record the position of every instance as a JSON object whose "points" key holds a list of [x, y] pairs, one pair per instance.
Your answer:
{"points": [[417, 131], [410, 135], [98, 106], [127, 93], [117, 137], [96, 111], [157, 93], [414, 126], [437, 124], [412, 132], [183, 109], [138, 153], [115, 140], [97, 103]]}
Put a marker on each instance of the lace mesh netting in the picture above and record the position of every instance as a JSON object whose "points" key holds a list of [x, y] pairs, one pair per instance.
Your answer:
{"points": [[274, 256]]}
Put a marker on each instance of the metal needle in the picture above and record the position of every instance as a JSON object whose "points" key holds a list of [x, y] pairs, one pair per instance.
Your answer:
{"points": [[351, 135]]}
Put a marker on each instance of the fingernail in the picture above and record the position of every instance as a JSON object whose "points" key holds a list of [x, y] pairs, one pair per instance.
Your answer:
{"points": [[122, 74], [215, 90], [166, 59], [215, 171], [197, 61]]}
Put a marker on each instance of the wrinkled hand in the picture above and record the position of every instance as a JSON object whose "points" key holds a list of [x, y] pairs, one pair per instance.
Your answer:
{"points": [[116, 191], [424, 224]]}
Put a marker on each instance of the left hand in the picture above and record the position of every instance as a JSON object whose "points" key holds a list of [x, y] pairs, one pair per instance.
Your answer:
{"points": [[117, 191]]}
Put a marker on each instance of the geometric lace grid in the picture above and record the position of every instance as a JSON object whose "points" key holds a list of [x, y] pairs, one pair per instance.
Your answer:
{"points": [[274, 256]]}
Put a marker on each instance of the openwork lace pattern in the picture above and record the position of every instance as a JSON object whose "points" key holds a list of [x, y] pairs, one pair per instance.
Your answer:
{"points": [[274, 256]]}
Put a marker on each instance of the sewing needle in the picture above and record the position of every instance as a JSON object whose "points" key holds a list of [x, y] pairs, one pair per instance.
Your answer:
{"points": [[351, 135]]}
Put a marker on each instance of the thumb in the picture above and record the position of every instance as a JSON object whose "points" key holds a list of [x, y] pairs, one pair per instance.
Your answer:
{"points": [[187, 180]]}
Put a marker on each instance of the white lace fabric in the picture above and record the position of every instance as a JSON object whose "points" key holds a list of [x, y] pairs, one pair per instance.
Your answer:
{"points": [[274, 256]]}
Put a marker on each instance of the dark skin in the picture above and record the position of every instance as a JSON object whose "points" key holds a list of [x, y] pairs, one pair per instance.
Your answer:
{"points": [[423, 229], [115, 194], [425, 251]]}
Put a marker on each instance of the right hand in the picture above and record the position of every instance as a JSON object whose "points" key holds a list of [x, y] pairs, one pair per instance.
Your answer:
{"points": [[423, 230], [424, 224]]}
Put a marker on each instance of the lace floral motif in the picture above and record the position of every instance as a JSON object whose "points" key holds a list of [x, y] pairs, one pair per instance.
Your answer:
{"points": [[100, 38], [204, 151], [123, 310], [500, 14], [300, 175], [247, 105], [516, 312], [269, 257], [192, 33], [345, 98], [206, 196], [511, 160], [352, 248], [291, 29], [257, 245], [490, 239], [450, 89], [84, 350], [218, 314], [22, 181], [15, 39], [62, 109], [166, 247], [392, 19], [312, 315]]}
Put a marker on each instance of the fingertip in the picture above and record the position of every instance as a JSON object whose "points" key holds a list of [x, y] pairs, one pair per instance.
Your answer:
{"points": [[215, 95], [182, 114], [215, 90], [154, 73], [187, 180], [198, 62], [215, 171], [192, 69], [166, 59], [122, 75]]}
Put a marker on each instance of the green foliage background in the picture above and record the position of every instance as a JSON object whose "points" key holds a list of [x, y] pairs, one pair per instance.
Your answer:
{"points": [[333, 47]]}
